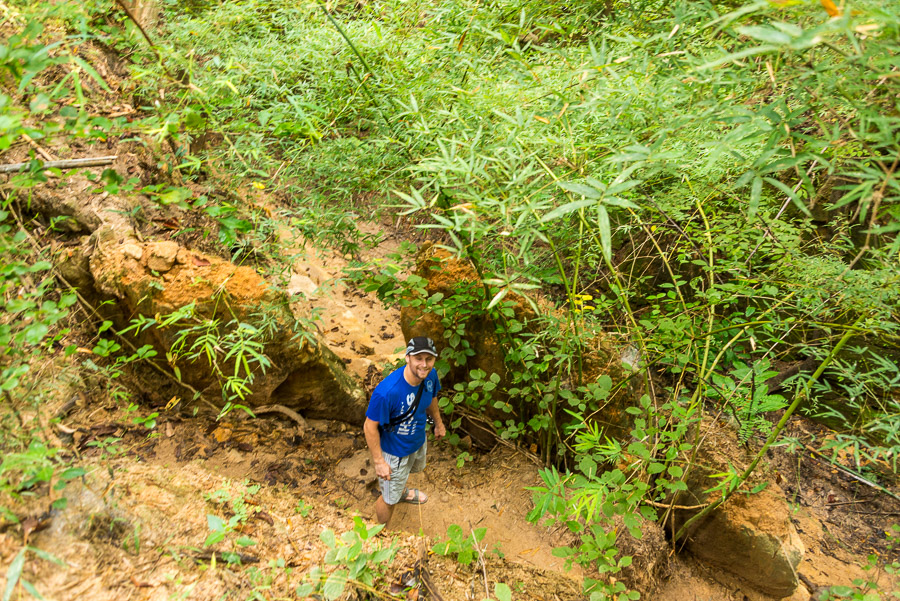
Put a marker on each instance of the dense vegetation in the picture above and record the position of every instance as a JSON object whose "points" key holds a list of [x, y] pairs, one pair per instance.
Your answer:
{"points": [[712, 183]]}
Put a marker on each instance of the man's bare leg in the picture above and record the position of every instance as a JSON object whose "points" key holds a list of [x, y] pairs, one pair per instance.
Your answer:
{"points": [[383, 511]]}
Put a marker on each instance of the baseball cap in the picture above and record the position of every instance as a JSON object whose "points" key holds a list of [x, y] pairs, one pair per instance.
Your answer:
{"points": [[420, 344]]}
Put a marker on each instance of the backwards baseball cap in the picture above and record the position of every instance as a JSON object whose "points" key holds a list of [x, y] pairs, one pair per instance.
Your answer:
{"points": [[420, 344]]}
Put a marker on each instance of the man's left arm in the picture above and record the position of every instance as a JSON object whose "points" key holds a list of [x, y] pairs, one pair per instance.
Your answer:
{"points": [[434, 412]]}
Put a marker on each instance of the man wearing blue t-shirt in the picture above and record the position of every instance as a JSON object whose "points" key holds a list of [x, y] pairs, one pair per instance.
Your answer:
{"points": [[395, 425]]}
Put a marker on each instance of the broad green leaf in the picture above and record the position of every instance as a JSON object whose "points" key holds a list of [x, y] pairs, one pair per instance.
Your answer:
{"points": [[755, 193], [790, 194], [497, 298], [46, 556], [725, 19], [72, 473], [620, 187], [214, 537], [35, 333], [328, 538], [737, 56], [90, 71], [304, 590], [617, 201], [841, 591], [214, 522], [174, 196], [13, 573], [335, 584], [31, 590], [502, 592]]}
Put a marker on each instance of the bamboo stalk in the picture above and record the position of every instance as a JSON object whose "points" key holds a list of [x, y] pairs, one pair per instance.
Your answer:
{"points": [[801, 395], [65, 164]]}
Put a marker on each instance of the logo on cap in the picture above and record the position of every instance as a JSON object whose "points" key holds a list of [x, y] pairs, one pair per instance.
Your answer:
{"points": [[420, 344]]}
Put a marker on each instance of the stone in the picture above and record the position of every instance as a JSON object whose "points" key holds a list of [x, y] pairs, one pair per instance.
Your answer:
{"points": [[162, 255], [301, 284], [133, 251], [751, 535], [303, 375]]}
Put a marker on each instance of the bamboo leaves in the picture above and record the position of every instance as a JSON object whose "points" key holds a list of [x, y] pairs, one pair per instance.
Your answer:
{"points": [[598, 195]]}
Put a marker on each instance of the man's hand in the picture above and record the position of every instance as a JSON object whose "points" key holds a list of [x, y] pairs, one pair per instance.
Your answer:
{"points": [[439, 429], [383, 470]]}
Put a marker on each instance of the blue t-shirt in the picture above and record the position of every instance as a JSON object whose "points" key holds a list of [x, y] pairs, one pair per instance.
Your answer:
{"points": [[391, 398]]}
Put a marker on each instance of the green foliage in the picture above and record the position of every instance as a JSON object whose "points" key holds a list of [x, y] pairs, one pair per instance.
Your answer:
{"points": [[303, 508], [714, 186], [29, 299], [29, 474], [743, 392], [360, 561], [235, 502], [233, 349], [465, 548], [14, 572]]}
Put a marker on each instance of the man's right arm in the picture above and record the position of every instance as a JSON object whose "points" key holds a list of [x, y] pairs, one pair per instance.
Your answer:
{"points": [[373, 439]]}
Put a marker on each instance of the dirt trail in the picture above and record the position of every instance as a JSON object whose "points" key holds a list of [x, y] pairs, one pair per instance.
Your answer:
{"points": [[491, 493]]}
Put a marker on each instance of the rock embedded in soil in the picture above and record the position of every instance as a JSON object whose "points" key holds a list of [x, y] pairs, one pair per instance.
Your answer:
{"points": [[303, 376], [157, 278], [751, 535], [162, 255]]}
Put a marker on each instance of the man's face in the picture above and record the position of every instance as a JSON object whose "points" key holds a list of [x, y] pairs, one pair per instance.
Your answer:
{"points": [[420, 364]]}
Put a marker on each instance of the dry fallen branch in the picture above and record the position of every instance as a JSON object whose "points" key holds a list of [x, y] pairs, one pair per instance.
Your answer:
{"points": [[65, 164], [425, 575]]}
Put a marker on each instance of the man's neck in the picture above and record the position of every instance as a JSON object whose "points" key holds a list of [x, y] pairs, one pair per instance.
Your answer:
{"points": [[410, 377]]}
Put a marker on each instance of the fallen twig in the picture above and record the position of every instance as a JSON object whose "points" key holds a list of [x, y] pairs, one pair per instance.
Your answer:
{"points": [[284, 411], [487, 590], [37, 148], [851, 473], [425, 574], [65, 164]]}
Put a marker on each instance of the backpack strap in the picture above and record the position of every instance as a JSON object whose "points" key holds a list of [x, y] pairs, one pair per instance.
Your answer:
{"points": [[396, 421]]}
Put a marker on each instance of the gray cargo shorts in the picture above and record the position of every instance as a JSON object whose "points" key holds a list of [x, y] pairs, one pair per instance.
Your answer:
{"points": [[401, 468]]}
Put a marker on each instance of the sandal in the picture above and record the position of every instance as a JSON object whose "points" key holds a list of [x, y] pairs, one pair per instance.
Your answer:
{"points": [[414, 496]]}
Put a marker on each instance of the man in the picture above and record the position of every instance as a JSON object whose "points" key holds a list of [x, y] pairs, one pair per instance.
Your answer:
{"points": [[395, 425]]}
